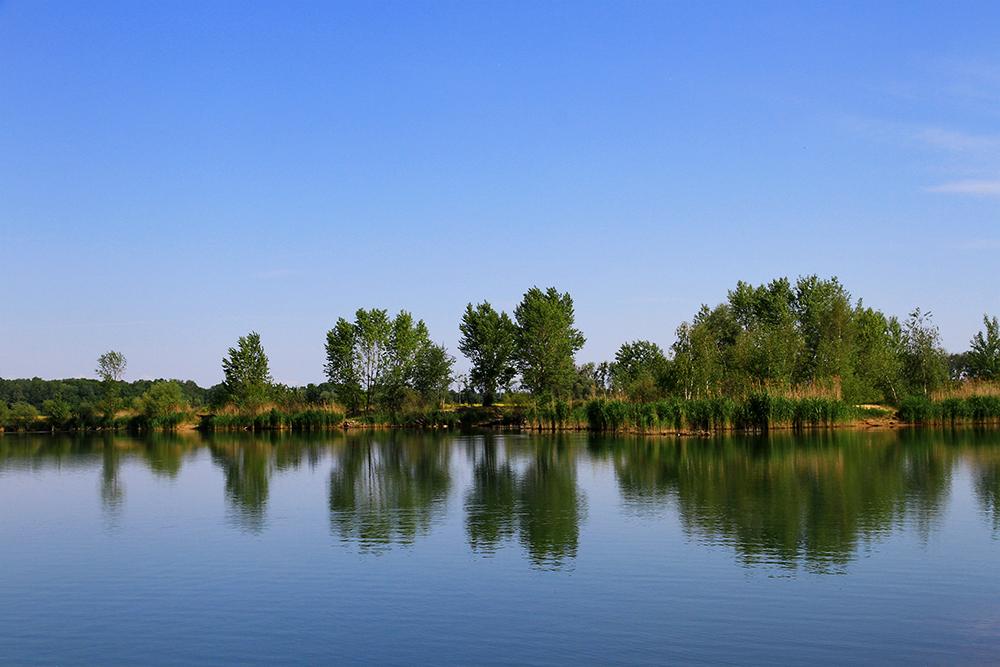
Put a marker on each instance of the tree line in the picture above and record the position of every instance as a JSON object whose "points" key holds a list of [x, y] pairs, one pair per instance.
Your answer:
{"points": [[779, 336]]}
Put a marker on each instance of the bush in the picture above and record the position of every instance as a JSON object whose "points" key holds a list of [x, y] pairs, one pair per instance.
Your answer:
{"points": [[22, 416]]}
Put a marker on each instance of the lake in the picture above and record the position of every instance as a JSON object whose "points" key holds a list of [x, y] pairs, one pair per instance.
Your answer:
{"points": [[409, 548]]}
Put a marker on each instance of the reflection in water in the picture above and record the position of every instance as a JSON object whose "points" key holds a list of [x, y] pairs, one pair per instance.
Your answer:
{"points": [[796, 500], [788, 499], [491, 503], [387, 488], [112, 490], [542, 502], [247, 469]]}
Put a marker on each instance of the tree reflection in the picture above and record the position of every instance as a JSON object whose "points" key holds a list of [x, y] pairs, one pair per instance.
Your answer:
{"points": [[386, 488], [491, 504], [112, 490], [247, 469], [541, 502], [793, 500]]}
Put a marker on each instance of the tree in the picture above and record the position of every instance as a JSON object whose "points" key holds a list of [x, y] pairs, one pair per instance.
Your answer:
{"points": [[57, 411], [489, 342], [638, 369], [248, 381], [163, 398], [343, 366], [433, 372], [371, 340], [111, 370], [376, 359], [22, 416], [925, 362], [546, 340], [825, 320], [878, 352], [983, 359]]}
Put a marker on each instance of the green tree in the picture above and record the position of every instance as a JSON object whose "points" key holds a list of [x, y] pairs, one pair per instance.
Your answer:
{"points": [[983, 359], [57, 412], [248, 381], [111, 370], [638, 370], [700, 351], [489, 342], [375, 359], [878, 350], [924, 361], [371, 338], [343, 365], [163, 398], [768, 342], [547, 342], [825, 321], [22, 416], [433, 372]]}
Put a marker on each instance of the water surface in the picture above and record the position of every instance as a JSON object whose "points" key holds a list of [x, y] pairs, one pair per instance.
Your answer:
{"points": [[436, 548]]}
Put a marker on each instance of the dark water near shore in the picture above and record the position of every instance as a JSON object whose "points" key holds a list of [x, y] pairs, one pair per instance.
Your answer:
{"points": [[414, 548]]}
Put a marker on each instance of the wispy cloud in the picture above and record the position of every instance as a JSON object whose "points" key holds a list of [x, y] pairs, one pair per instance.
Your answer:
{"points": [[960, 142], [984, 188]]}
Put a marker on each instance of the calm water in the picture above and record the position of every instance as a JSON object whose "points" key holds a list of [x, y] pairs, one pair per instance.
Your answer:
{"points": [[396, 548]]}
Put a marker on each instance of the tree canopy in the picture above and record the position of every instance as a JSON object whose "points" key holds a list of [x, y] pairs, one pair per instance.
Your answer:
{"points": [[248, 381], [378, 360], [547, 342], [489, 342]]}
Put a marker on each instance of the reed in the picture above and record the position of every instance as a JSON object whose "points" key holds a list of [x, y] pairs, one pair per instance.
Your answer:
{"points": [[967, 389]]}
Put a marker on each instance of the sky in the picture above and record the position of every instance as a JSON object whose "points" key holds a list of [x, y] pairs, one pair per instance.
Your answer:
{"points": [[176, 175]]}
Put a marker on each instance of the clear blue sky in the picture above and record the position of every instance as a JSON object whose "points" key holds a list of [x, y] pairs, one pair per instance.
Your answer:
{"points": [[175, 175]]}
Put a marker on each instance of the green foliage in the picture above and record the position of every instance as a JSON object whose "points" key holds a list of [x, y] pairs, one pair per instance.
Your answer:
{"points": [[248, 381], [22, 416], [111, 370], [877, 357], [546, 341], [160, 400], [983, 359], [916, 410], [639, 369], [57, 413], [924, 361], [371, 361], [489, 342], [827, 326], [303, 420]]}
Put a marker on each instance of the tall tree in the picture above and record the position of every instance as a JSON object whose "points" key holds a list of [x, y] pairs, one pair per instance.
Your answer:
{"points": [[924, 361], [248, 381], [489, 342], [639, 369], [371, 338], [343, 364], [825, 320], [111, 370], [376, 359], [547, 342], [983, 359], [877, 356]]}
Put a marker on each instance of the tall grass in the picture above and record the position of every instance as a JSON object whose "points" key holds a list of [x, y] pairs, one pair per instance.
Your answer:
{"points": [[759, 411], [308, 419], [976, 408]]}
